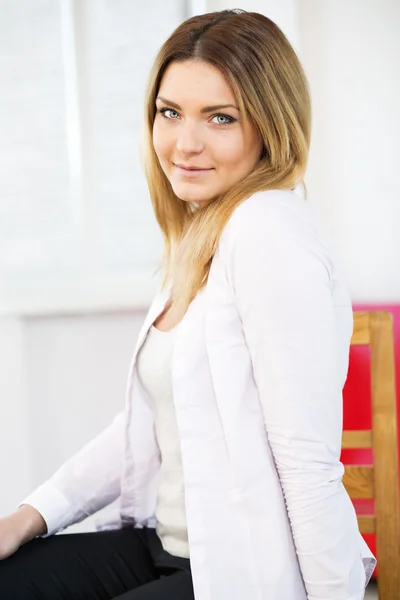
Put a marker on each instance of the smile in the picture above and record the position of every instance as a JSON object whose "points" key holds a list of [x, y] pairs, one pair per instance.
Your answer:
{"points": [[191, 172]]}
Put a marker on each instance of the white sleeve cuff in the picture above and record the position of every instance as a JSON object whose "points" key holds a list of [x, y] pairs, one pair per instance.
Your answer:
{"points": [[53, 506]]}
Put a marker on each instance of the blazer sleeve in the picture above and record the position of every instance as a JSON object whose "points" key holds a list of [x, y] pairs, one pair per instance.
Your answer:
{"points": [[280, 271], [86, 483]]}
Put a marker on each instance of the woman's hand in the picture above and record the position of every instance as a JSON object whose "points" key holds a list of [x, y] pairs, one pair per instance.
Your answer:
{"points": [[18, 528]]}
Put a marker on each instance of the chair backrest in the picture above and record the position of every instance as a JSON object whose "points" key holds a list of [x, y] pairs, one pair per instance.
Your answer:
{"points": [[381, 480]]}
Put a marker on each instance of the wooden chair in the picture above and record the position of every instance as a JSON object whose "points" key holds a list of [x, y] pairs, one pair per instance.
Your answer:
{"points": [[380, 481]]}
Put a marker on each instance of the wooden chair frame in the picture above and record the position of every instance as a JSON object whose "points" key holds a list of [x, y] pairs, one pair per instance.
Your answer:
{"points": [[380, 481]]}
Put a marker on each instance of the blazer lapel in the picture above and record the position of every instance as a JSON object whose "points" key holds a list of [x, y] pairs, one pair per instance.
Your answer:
{"points": [[156, 308]]}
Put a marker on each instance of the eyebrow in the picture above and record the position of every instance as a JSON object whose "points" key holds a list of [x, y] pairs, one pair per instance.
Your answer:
{"points": [[206, 109]]}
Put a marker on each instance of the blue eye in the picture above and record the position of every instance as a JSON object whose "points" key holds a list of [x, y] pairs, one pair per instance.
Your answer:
{"points": [[163, 111], [227, 118]]}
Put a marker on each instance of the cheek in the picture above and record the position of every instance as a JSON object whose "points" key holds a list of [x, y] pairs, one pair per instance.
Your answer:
{"points": [[231, 151], [243, 153]]}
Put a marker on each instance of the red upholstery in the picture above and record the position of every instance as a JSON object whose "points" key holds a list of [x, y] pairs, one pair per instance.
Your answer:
{"points": [[357, 401]]}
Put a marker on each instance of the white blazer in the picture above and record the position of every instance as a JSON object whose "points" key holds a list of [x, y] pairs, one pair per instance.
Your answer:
{"points": [[259, 365]]}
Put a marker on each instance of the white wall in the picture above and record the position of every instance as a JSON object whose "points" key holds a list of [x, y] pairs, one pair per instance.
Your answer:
{"points": [[76, 225], [62, 380], [350, 51], [15, 452]]}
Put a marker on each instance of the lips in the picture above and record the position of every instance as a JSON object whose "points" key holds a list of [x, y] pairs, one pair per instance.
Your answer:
{"points": [[195, 168]]}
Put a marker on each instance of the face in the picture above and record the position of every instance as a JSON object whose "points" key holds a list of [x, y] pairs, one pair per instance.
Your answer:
{"points": [[203, 145]]}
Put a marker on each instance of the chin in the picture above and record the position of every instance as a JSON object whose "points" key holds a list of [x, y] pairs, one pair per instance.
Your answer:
{"points": [[189, 196]]}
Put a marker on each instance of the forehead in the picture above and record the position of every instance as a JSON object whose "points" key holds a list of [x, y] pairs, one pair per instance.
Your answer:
{"points": [[194, 81]]}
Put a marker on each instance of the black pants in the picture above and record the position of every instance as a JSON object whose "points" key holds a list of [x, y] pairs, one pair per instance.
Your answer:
{"points": [[127, 564]]}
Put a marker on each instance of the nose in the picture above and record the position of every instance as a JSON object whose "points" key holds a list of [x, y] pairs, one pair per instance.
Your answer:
{"points": [[189, 139]]}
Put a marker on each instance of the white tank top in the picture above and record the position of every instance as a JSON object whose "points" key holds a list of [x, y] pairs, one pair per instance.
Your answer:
{"points": [[154, 371]]}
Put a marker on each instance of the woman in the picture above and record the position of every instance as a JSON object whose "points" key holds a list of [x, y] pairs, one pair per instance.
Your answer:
{"points": [[226, 459]]}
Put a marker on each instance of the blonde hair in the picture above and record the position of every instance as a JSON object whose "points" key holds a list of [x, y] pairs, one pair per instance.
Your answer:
{"points": [[272, 91]]}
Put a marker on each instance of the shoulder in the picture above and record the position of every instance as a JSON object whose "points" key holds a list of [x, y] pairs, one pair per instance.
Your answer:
{"points": [[277, 223], [266, 210]]}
